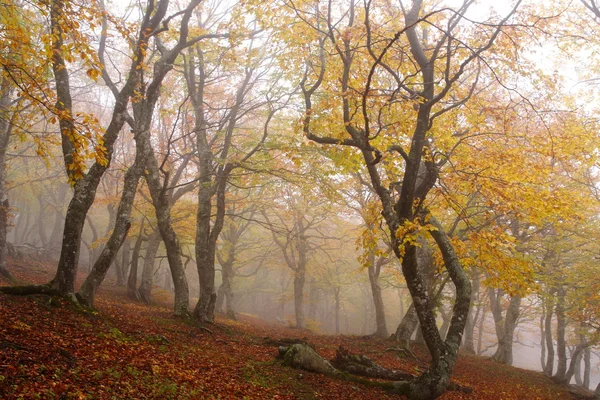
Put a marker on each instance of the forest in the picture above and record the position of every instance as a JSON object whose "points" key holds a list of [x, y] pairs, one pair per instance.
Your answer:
{"points": [[398, 199]]}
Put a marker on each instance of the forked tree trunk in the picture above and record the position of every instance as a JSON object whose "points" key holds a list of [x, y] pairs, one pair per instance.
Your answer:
{"points": [[433, 382], [87, 292], [505, 325], [85, 187]]}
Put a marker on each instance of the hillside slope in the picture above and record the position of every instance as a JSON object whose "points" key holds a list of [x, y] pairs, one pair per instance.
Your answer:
{"points": [[132, 351]]}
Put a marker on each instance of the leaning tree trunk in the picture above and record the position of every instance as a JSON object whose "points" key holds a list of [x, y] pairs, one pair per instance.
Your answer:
{"points": [[87, 292], [145, 289]]}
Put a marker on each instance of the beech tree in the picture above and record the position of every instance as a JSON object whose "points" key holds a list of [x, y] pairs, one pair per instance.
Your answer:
{"points": [[388, 79]]}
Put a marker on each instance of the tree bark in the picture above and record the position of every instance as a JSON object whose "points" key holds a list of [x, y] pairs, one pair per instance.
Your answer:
{"points": [[145, 289], [55, 239], [85, 187], [132, 290], [561, 325], [407, 327], [87, 292], [587, 362], [549, 367], [336, 296], [6, 124], [468, 344], [313, 303], [505, 325], [123, 266], [374, 269]]}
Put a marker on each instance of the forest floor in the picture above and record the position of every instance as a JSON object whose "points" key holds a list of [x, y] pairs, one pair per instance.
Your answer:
{"points": [[131, 351]]}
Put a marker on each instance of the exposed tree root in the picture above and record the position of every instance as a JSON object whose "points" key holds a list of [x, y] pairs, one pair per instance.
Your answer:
{"points": [[364, 366], [354, 368]]}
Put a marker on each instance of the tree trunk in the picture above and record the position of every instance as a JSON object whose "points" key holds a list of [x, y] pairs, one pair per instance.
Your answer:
{"points": [[6, 124], [374, 269], [575, 359], [85, 187], [87, 292], [407, 327], [313, 303], [549, 367], [55, 240], [433, 382], [505, 326], [336, 294], [40, 223], [468, 344], [543, 337], [145, 289], [123, 266], [132, 290], [577, 373], [165, 225], [561, 325], [587, 362], [480, 331], [225, 295], [299, 279]]}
